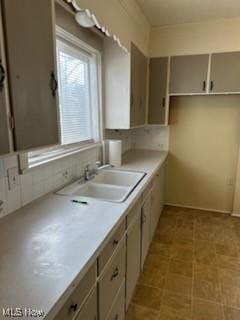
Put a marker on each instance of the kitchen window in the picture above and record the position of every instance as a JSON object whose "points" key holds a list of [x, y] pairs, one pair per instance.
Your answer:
{"points": [[79, 99]]}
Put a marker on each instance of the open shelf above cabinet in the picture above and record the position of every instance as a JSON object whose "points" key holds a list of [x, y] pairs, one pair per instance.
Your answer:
{"points": [[205, 74]]}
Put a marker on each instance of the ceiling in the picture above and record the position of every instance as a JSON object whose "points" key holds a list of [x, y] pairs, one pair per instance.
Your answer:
{"points": [[170, 12]]}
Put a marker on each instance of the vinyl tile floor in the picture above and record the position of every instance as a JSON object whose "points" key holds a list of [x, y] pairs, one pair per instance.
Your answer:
{"points": [[192, 271]]}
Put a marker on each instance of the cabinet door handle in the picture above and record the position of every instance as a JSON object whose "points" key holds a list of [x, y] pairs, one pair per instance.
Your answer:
{"points": [[163, 102], [115, 274], [116, 317], [2, 75], [74, 307], [144, 218], [204, 86], [211, 85], [54, 84], [115, 242]]}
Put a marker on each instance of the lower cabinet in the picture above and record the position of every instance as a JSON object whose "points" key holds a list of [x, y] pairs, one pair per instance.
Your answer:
{"points": [[118, 309], [111, 280], [89, 310], [133, 255], [146, 228], [107, 288], [157, 199], [76, 300]]}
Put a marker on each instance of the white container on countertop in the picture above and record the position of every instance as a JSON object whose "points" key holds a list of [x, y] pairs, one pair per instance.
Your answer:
{"points": [[115, 152]]}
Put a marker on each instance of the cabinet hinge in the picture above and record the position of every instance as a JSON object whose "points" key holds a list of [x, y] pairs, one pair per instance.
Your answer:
{"points": [[11, 122]]}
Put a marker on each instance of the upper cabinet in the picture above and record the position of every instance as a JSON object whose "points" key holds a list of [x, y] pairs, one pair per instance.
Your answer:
{"points": [[189, 74], [158, 90], [225, 73], [30, 43], [4, 120], [125, 79], [138, 87]]}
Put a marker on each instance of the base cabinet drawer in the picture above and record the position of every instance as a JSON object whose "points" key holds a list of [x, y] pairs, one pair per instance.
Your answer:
{"points": [[75, 301], [111, 280], [111, 246], [89, 310], [117, 311]]}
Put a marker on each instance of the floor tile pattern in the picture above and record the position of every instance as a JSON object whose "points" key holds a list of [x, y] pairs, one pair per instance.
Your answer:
{"points": [[192, 271]]}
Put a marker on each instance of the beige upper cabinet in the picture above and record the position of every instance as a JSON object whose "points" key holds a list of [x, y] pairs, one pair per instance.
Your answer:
{"points": [[4, 121], [225, 73], [138, 87], [189, 74], [125, 79], [30, 43], [158, 90]]}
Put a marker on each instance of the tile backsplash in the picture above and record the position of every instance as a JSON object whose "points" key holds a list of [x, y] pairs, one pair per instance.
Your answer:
{"points": [[39, 181], [34, 183], [154, 138]]}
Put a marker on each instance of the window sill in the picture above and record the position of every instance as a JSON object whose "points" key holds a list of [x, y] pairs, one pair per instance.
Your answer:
{"points": [[38, 163]]}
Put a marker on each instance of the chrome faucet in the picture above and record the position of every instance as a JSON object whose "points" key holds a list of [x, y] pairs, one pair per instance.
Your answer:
{"points": [[87, 173]]}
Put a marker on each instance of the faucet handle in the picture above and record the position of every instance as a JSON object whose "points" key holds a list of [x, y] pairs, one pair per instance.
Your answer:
{"points": [[98, 164]]}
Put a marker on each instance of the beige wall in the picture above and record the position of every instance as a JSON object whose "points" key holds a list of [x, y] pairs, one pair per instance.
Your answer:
{"points": [[204, 141], [123, 18], [195, 38]]}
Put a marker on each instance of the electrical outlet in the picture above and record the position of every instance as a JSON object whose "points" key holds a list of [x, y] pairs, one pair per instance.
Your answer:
{"points": [[13, 178]]}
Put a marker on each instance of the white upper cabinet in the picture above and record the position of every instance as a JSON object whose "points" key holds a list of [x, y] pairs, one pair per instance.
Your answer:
{"points": [[125, 79], [4, 120], [189, 74], [30, 44], [225, 73]]}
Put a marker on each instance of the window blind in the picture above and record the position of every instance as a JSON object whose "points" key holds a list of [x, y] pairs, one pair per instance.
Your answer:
{"points": [[74, 94]]}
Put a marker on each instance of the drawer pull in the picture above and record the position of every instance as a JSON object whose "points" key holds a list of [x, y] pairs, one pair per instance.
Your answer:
{"points": [[74, 307], [115, 274], [115, 243]]}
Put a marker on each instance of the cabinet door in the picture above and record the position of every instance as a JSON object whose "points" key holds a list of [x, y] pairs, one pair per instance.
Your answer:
{"points": [[133, 256], [4, 128], [138, 87], [189, 74], [146, 228], [225, 72], [111, 280], [30, 41], [89, 310], [157, 200], [157, 90], [118, 309]]}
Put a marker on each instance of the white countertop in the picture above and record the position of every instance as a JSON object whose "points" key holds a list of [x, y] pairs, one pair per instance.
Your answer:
{"points": [[48, 245]]}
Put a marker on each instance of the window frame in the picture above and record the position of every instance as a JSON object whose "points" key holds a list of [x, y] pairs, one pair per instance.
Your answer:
{"points": [[48, 154]]}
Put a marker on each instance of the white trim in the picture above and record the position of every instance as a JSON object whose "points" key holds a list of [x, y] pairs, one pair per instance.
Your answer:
{"points": [[167, 103], [61, 156], [203, 94], [197, 208], [209, 74]]}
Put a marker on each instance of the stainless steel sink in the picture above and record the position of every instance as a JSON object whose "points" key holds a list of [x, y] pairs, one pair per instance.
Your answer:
{"points": [[109, 185]]}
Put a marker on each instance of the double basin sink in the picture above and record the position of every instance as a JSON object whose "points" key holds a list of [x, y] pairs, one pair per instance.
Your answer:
{"points": [[108, 185]]}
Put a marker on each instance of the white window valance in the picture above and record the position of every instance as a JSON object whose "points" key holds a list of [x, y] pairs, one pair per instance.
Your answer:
{"points": [[97, 23]]}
